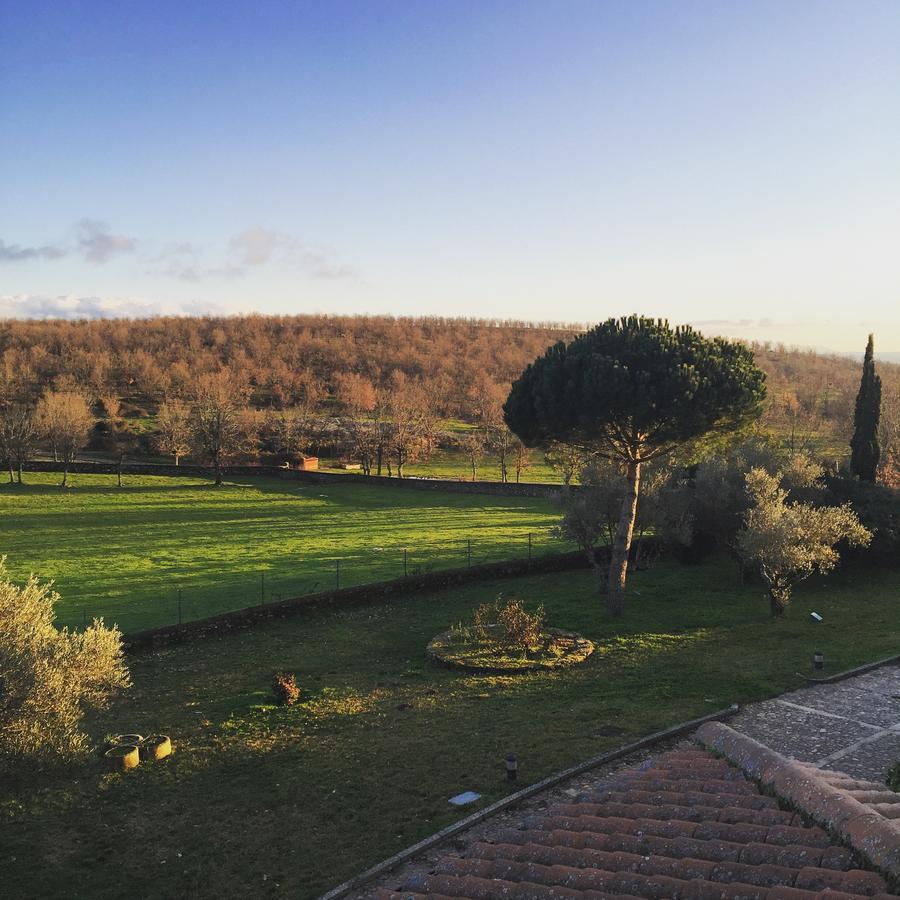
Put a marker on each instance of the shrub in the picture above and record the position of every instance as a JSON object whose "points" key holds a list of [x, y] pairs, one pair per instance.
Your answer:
{"points": [[48, 676], [509, 623], [285, 689], [878, 508]]}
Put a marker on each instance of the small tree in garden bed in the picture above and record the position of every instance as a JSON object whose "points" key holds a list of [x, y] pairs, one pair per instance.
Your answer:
{"points": [[506, 637], [509, 623]]}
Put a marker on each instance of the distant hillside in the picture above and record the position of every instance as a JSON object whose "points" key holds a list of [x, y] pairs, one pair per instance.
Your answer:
{"points": [[291, 359]]}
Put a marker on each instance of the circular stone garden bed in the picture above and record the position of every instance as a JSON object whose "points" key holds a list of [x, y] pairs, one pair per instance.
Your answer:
{"points": [[474, 650]]}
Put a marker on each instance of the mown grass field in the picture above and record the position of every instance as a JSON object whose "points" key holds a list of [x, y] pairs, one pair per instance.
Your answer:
{"points": [[266, 801], [129, 553]]}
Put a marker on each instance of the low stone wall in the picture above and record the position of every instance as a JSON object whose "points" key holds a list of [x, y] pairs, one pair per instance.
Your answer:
{"points": [[352, 596], [494, 488], [366, 593]]}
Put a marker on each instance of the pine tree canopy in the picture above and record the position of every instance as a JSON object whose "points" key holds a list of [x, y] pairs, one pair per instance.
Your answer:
{"points": [[636, 386]]}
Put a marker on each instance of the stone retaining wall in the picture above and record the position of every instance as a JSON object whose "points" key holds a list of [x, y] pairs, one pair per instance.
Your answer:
{"points": [[352, 596]]}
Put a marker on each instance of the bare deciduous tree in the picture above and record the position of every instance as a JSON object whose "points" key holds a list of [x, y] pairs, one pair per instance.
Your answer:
{"points": [[220, 428], [293, 430], [473, 443], [565, 459], [64, 418], [49, 676], [18, 435], [413, 433], [112, 405], [174, 423]]}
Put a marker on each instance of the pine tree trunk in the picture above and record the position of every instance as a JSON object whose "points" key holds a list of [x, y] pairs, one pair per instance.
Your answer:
{"points": [[618, 564]]}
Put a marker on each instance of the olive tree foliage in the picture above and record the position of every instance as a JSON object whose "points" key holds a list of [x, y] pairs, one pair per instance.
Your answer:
{"points": [[64, 419], [787, 542], [634, 390], [49, 676], [714, 498]]}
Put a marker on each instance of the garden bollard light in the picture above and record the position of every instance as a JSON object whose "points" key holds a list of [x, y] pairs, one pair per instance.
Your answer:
{"points": [[512, 767], [819, 659]]}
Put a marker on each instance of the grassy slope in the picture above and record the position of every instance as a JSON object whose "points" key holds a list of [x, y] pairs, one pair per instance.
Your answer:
{"points": [[125, 553], [262, 801]]}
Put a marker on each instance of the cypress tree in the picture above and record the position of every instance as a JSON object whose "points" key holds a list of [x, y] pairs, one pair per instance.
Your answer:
{"points": [[864, 449]]}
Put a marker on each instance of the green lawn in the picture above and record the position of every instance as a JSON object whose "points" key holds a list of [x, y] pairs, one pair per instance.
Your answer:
{"points": [[267, 801], [126, 553]]}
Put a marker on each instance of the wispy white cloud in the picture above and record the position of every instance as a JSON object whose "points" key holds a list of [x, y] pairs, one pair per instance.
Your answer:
{"points": [[16, 253], [252, 250], [93, 241], [258, 246], [98, 244], [70, 306]]}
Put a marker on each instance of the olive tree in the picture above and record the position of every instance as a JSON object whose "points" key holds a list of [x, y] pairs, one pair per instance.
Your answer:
{"points": [[49, 676], [634, 389], [787, 542]]}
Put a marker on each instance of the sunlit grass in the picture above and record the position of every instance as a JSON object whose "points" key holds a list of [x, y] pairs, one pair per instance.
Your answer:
{"points": [[364, 764], [138, 554]]}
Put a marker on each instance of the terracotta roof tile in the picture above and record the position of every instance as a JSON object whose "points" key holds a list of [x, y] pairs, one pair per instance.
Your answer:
{"points": [[687, 825]]}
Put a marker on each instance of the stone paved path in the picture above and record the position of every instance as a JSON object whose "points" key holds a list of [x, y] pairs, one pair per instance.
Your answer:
{"points": [[852, 726]]}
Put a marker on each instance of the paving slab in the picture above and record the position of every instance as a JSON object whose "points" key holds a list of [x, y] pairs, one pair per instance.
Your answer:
{"points": [[871, 760], [850, 701], [851, 726]]}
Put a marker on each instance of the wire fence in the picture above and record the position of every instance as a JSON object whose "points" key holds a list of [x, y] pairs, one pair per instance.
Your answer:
{"points": [[175, 599]]}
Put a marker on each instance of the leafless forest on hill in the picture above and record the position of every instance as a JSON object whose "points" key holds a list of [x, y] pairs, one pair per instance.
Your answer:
{"points": [[457, 368]]}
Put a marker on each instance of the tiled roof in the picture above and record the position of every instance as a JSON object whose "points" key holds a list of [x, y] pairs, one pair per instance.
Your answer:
{"points": [[685, 825]]}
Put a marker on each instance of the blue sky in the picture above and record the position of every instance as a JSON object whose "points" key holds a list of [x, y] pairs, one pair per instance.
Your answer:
{"points": [[730, 164]]}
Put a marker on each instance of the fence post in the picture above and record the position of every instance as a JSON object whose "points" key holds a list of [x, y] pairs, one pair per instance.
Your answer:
{"points": [[337, 574], [469, 551], [529, 546], [262, 588], [405, 566], [179, 606], [83, 619]]}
